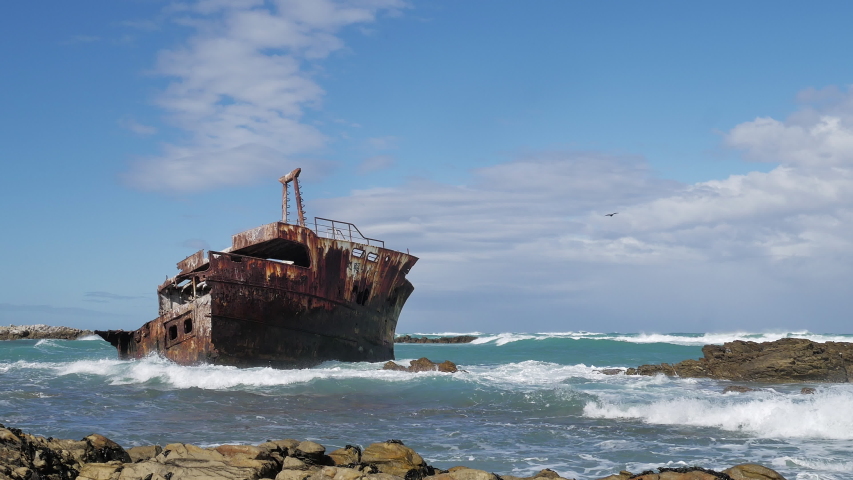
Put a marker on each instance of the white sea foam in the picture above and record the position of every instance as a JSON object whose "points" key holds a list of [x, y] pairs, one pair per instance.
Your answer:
{"points": [[500, 339], [504, 338], [821, 464], [763, 414], [443, 334], [719, 338], [533, 373], [155, 369], [89, 338]]}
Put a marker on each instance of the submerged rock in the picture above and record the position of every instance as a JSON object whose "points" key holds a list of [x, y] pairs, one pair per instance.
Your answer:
{"points": [[738, 389], [787, 360], [423, 364]]}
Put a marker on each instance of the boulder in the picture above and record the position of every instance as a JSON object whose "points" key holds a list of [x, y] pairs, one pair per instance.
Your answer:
{"points": [[102, 449], [394, 458], [623, 475], [348, 455], [293, 463], [751, 471], [101, 471], [471, 474], [310, 452], [292, 475], [808, 391], [147, 452], [786, 360]]}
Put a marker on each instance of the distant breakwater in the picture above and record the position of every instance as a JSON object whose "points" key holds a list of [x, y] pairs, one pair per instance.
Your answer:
{"points": [[24, 456], [456, 339], [41, 332]]}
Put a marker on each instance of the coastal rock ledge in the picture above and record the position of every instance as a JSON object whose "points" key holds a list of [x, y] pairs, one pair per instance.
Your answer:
{"points": [[29, 457], [789, 360], [41, 332]]}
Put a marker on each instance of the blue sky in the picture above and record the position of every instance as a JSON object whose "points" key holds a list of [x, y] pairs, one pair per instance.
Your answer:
{"points": [[488, 138]]}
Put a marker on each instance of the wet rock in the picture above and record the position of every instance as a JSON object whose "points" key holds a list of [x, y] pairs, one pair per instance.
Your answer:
{"points": [[39, 332], [456, 339], [394, 458], [786, 360], [423, 364], [808, 391], [611, 371], [751, 471], [738, 389], [139, 454], [389, 365]]}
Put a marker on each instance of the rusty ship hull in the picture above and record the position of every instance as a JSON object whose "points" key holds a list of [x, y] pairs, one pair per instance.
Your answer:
{"points": [[282, 295]]}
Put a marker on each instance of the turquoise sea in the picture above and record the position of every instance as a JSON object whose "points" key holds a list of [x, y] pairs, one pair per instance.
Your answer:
{"points": [[524, 402]]}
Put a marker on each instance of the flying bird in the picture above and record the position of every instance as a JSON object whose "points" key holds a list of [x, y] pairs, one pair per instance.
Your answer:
{"points": [[610, 214]]}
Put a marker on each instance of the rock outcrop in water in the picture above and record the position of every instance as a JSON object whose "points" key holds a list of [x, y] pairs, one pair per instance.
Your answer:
{"points": [[787, 360], [41, 332], [457, 339], [422, 364], [29, 457]]}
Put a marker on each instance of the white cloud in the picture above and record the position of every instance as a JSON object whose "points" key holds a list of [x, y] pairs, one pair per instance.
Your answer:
{"points": [[239, 86], [530, 235], [129, 123], [375, 164]]}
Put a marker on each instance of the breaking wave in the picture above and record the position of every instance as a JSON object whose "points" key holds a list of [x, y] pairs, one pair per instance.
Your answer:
{"points": [[763, 414], [687, 339]]}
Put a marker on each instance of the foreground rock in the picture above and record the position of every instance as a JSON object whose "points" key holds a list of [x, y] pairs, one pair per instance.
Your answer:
{"points": [[423, 364], [29, 457], [457, 339], [40, 332], [787, 360]]}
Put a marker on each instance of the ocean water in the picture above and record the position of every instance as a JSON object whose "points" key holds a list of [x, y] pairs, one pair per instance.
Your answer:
{"points": [[523, 402]]}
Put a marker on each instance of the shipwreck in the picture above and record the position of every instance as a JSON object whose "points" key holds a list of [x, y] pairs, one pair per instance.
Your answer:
{"points": [[282, 295]]}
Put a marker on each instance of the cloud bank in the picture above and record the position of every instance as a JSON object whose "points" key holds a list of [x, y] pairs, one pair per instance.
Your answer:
{"points": [[240, 85], [530, 236]]}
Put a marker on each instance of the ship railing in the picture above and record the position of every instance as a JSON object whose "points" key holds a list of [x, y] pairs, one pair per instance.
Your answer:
{"points": [[337, 230]]}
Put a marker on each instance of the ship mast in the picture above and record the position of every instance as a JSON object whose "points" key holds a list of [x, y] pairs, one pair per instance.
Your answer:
{"points": [[285, 180]]}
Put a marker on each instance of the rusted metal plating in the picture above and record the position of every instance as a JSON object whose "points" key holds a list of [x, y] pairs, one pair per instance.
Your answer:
{"points": [[282, 295]]}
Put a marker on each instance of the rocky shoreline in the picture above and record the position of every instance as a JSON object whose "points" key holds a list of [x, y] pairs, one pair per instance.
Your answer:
{"points": [[456, 339], [788, 360], [41, 332], [29, 457]]}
